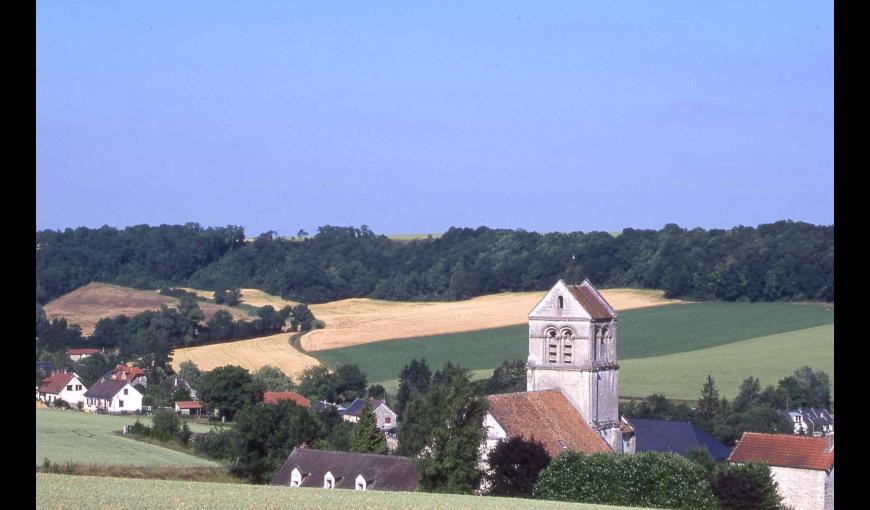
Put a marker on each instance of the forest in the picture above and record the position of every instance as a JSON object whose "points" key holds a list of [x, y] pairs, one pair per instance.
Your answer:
{"points": [[785, 260]]}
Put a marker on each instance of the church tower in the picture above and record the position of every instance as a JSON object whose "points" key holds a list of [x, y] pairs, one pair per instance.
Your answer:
{"points": [[572, 347]]}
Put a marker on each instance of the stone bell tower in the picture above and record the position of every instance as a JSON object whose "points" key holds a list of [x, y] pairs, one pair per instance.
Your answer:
{"points": [[572, 347]]}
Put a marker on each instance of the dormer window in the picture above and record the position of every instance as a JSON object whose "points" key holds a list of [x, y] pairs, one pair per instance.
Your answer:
{"points": [[360, 483], [328, 481], [295, 478]]}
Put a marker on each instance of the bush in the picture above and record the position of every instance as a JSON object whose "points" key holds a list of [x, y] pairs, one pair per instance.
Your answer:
{"points": [[649, 479], [515, 465], [60, 403], [746, 487], [165, 424], [215, 444]]}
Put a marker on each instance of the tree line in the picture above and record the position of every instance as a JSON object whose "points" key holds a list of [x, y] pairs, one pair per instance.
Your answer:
{"points": [[785, 260]]}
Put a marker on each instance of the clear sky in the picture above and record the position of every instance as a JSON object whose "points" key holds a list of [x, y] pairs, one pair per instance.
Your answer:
{"points": [[412, 117]]}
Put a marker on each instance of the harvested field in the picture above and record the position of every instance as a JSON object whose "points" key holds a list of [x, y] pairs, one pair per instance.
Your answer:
{"points": [[86, 305], [362, 321], [74, 492], [251, 354]]}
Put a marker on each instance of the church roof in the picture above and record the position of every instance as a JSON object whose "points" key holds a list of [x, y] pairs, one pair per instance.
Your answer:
{"points": [[548, 417], [592, 300], [675, 436]]}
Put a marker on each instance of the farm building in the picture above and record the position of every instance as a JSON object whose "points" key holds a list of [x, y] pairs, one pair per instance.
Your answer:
{"points": [[273, 397], [675, 437], [327, 469], [385, 417], [572, 378], [811, 421], [78, 354], [802, 466], [113, 396], [65, 386], [188, 407]]}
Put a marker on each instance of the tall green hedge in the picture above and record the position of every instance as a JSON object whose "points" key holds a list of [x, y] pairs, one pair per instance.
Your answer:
{"points": [[649, 479]]}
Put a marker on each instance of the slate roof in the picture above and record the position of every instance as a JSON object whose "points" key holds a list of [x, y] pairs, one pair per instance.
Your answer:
{"points": [[273, 397], [106, 389], [355, 408], [381, 472], [675, 436], [548, 417], [813, 416], [56, 382], [592, 300], [785, 450]]}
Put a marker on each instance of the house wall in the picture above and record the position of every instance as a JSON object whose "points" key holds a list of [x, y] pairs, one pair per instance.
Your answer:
{"points": [[132, 401], [829, 491], [75, 396], [801, 489], [383, 412]]}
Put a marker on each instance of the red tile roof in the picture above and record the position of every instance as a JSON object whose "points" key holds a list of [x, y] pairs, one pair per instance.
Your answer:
{"points": [[73, 352], [188, 404], [785, 450], [130, 372], [56, 382], [592, 300], [273, 397], [548, 417]]}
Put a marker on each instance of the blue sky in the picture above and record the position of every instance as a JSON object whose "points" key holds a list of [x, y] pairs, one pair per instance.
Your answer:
{"points": [[548, 116]]}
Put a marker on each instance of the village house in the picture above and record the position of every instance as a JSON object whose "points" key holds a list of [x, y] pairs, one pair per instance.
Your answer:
{"points": [[384, 416], [327, 469], [678, 437], [113, 396], [802, 466], [273, 397], [811, 421], [65, 386], [572, 379], [79, 354], [188, 407], [175, 383], [134, 375]]}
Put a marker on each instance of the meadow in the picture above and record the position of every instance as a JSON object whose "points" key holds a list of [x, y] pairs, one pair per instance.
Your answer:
{"points": [[55, 492], [643, 333], [83, 438]]}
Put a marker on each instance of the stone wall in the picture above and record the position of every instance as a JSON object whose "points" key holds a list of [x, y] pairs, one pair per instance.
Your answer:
{"points": [[829, 491], [801, 489]]}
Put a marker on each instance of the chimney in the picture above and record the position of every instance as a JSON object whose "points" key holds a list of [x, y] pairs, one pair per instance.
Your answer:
{"points": [[829, 439]]}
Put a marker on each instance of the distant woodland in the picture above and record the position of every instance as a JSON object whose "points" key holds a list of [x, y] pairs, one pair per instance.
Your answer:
{"points": [[785, 260]]}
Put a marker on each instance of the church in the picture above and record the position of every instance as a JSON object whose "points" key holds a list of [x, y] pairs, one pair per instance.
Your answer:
{"points": [[572, 377]]}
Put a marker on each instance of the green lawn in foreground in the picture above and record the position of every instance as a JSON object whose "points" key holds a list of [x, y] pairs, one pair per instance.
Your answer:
{"points": [[63, 491], [645, 332], [82, 438], [769, 358]]}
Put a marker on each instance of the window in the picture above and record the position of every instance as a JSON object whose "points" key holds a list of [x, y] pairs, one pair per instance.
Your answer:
{"points": [[387, 419], [567, 345], [125, 391], [328, 481], [69, 387], [552, 346], [78, 387], [120, 403], [561, 302]]}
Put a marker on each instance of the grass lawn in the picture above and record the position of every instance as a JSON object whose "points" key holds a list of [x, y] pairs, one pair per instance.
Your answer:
{"points": [[769, 358], [644, 332], [75, 492], [73, 436]]}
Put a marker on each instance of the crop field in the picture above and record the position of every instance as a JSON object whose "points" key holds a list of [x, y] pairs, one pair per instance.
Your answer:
{"points": [[361, 321], [647, 332], [86, 305], [55, 492], [83, 438], [769, 358], [251, 354]]}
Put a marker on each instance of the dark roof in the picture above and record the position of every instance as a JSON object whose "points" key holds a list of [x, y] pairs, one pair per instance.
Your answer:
{"points": [[814, 416], [106, 389], [273, 397], [548, 417], [785, 450], [56, 382], [675, 436], [355, 408], [381, 472], [592, 300]]}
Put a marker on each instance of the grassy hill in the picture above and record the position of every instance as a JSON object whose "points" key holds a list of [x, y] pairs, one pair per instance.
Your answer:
{"points": [[62, 491], [83, 438], [643, 333]]}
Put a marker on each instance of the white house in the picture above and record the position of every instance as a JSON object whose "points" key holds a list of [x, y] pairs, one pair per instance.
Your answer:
{"points": [[113, 396], [62, 385], [802, 466]]}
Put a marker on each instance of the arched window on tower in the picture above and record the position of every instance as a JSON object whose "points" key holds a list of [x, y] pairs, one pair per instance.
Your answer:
{"points": [[561, 303], [552, 346], [567, 346]]}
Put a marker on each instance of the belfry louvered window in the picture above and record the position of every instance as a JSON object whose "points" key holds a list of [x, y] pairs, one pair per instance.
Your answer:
{"points": [[552, 346], [567, 346]]}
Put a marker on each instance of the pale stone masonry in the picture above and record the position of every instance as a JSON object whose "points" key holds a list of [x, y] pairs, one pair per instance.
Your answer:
{"points": [[805, 489]]}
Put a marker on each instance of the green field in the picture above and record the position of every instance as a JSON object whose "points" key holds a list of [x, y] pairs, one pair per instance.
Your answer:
{"points": [[646, 332], [82, 438], [75, 492]]}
